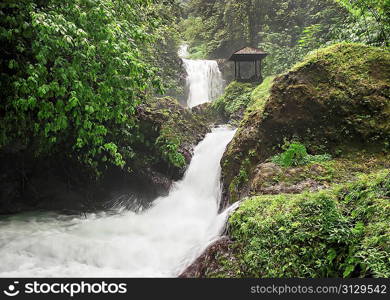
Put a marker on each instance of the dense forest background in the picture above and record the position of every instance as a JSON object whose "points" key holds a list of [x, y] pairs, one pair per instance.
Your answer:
{"points": [[287, 30], [75, 73]]}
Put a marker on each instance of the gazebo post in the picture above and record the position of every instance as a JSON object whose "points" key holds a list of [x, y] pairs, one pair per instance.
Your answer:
{"points": [[260, 77], [256, 76]]}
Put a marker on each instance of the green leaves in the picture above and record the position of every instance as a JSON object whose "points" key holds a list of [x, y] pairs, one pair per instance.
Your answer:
{"points": [[12, 64], [74, 74], [42, 90], [374, 16], [73, 101], [296, 154], [169, 147]]}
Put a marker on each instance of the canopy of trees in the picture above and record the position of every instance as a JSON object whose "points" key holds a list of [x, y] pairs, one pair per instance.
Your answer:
{"points": [[286, 29], [73, 73]]}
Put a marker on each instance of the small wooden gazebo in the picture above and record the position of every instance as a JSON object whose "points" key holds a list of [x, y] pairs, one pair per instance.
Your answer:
{"points": [[248, 54]]}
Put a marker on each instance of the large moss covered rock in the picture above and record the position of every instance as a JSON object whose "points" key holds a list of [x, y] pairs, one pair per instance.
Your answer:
{"points": [[340, 232], [337, 100], [172, 132]]}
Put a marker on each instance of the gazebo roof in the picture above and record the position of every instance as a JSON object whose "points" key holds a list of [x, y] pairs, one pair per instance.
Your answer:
{"points": [[248, 54]]}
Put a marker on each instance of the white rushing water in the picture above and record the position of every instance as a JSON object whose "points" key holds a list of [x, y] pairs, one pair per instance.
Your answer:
{"points": [[204, 79], [159, 242]]}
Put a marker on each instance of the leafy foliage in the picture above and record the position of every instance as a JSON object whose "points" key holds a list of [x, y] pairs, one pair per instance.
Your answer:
{"points": [[163, 52], [169, 150], [369, 22], [73, 74], [236, 97], [296, 155], [287, 30]]}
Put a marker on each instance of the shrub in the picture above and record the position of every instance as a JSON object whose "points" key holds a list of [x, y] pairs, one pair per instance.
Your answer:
{"points": [[72, 75], [296, 155]]}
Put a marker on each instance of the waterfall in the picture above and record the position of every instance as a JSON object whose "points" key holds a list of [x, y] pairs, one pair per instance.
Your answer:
{"points": [[157, 242], [160, 241], [204, 79]]}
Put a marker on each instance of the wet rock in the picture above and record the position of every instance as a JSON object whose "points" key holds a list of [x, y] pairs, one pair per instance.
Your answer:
{"points": [[269, 178], [209, 114], [208, 262], [165, 119]]}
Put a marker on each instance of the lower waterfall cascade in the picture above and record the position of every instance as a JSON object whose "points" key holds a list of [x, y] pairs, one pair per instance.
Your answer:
{"points": [[158, 242]]}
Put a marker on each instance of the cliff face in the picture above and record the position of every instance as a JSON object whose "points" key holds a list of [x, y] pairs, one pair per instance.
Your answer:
{"points": [[335, 101]]}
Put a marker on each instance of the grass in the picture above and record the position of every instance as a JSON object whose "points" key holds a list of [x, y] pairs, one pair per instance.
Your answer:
{"points": [[260, 95]]}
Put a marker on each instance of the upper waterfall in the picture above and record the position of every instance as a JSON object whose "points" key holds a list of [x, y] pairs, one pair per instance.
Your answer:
{"points": [[204, 79]]}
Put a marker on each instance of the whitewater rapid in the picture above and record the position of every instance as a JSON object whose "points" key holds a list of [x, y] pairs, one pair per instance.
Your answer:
{"points": [[204, 79], [158, 242]]}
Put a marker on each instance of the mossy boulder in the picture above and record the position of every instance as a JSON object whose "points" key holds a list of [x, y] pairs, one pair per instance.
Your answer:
{"points": [[172, 132], [335, 101], [271, 179], [341, 232], [209, 114]]}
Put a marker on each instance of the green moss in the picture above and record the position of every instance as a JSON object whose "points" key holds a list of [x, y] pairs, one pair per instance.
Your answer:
{"points": [[353, 58], [240, 179], [169, 131], [228, 266], [234, 101], [260, 95], [342, 232], [272, 179]]}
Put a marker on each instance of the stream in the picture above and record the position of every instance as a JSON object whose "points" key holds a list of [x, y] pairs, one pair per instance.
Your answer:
{"points": [[158, 242]]}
